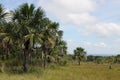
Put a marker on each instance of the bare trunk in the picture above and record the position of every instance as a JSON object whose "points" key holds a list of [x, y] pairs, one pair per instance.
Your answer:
{"points": [[7, 53], [44, 63], [25, 69], [110, 66], [79, 62], [2, 56], [26, 52], [79, 59]]}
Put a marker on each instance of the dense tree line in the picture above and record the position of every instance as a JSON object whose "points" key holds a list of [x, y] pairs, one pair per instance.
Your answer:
{"points": [[103, 59], [28, 37]]}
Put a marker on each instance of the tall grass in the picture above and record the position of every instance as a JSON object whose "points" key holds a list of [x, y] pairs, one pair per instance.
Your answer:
{"points": [[85, 71]]}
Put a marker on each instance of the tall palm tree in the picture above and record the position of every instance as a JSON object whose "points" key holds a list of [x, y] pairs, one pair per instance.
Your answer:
{"points": [[33, 27], [28, 20]]}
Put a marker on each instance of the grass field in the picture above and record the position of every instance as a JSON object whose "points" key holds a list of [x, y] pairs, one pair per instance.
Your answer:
{"points": [[70, 72]]}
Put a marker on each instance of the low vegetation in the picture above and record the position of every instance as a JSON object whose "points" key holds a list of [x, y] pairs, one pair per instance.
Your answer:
{"points": [[86, 71]]}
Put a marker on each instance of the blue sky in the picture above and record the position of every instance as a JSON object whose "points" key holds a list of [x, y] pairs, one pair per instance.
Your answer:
{"points": [[91, 24]]}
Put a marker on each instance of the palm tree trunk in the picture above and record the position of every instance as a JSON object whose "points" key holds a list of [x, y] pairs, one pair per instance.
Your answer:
{"points": [[7, 53], [2, 56], [110, 66], [79, 60], [44, 63], [25, 69], [26, 52]]}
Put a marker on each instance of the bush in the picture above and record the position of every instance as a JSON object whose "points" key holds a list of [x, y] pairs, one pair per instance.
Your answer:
{"points": [[63, 63], [99, 61], [12, 66]]}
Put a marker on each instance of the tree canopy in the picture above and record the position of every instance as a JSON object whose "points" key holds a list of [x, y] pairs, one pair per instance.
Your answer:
{"points": [[30, 35]]}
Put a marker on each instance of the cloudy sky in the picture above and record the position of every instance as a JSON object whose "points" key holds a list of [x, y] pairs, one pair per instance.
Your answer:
{"points": [[91, 24]]}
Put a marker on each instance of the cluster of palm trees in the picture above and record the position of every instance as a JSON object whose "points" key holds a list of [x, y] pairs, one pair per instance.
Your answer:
{"points": [[26, 33]]}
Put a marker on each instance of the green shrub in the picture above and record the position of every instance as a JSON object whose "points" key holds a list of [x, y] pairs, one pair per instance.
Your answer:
{"points": [[63, 63], [52, 66], [99, 61]]}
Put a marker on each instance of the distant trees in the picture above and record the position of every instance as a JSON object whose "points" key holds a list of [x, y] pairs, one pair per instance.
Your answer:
{"points": [[99, 60], [110, 60], [80, 54], [117, 58], [90, 58]]}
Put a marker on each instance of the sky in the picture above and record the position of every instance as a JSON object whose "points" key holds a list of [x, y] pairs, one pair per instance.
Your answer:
{"points": [[91, 24]]}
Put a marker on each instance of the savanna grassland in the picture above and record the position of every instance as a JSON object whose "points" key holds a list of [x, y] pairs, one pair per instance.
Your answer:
{"points": [[86, 71], [32, 48]]}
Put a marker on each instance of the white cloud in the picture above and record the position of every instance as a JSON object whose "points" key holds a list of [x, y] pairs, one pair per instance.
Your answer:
{"points": [[72, 45], [80, 13], [83, 18], [97, 48], [102, 1], [94, 48], [76, 6], [103, 29], [71, 11], [117, 41], [95, 45], [89, 46]]}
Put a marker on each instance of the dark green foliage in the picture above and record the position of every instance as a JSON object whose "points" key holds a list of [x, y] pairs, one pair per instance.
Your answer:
{"points": [[117, 59], [29, 39], [90, 58], [63, 63], [99, 60]]}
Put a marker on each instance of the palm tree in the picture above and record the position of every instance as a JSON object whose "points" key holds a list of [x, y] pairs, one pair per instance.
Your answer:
{"points": [[7, 38], [62, 48], [33, 27], [48, 40], [28, 20], [110, 61], [80, 53], [2, 13]]}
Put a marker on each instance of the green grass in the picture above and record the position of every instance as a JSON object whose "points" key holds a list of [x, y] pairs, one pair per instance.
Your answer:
{"points": [[85, 71]]}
